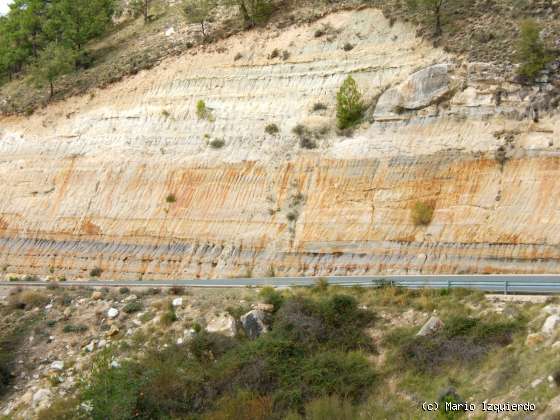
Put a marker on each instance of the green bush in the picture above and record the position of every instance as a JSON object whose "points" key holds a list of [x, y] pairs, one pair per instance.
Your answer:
{"points": [[217, 143], [207, 347], [95, 272], [531, 52], [74, 328], [272, 129], [319, 106], [171, 198], [132, 307], [347, 374], [272, 297], [112, 393], [169, 316], [422, 213], [462, 342], [244, 405], [330, 407], [349, 104], [202, 111], [254, 12]]}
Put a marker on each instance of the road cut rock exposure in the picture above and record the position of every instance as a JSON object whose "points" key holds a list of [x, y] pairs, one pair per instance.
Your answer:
{"points": [[132, 181]]}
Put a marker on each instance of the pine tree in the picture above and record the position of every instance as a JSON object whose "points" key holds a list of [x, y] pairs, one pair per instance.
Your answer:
{"points": [[54, 61], [75, 22], [349, 104], [531, 51]]}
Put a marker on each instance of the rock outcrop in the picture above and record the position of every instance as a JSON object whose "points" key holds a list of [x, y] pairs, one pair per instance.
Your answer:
{"points": [[418, 91], [432, 326], [254, 323], [130, 180]]}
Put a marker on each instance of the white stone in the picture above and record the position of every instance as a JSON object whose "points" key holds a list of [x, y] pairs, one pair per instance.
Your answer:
{"points": [[115, 364], [112, 313], [170, 31], [536, 383], [552, 309], [57, 365], [180, 341], [551, 324], [177, 301], [90, 347], [102, 343]]}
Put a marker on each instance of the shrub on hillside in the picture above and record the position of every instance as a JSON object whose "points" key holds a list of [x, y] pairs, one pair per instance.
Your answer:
{"points": [[95, 272], [272, 297], [349, 104], [272, 129], [74, 328], [132, 307], [202, 111], [461, 342], [531, 52], [422, 213], [27, 299]]}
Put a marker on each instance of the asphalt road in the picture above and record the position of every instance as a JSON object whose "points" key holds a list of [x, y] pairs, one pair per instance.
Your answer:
{"points": [[494, 283]]}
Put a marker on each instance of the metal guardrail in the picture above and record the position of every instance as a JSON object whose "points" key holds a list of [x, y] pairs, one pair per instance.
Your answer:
{"points": [[491, 285], [536, 284]]}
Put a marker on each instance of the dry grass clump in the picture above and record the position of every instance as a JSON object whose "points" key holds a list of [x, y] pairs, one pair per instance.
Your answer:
{"points": [[27, 299]]}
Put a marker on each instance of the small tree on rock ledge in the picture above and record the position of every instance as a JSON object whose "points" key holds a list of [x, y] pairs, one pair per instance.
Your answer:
{"points": [[349, 104]]}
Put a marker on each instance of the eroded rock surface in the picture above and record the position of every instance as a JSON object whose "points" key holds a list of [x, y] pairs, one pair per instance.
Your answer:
{"points": [[127, 180]]}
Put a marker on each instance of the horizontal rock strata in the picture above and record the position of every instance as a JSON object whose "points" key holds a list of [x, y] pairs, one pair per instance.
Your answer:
{"points": [[132, 181]]}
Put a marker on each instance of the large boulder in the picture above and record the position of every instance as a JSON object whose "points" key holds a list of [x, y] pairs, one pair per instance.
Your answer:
{"points": [[551, 324], [433, 325], [223, 324], [254, 323], [418, 91]]}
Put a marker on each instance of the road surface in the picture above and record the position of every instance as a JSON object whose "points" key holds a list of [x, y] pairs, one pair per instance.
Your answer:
{"points": [[491, 283]]}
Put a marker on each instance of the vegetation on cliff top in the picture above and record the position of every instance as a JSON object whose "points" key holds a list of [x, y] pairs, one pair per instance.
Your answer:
{"points": [[106, 41]]}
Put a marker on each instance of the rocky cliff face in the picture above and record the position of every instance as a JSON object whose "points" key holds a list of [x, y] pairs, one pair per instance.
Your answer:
{"points": [[131, 180]]}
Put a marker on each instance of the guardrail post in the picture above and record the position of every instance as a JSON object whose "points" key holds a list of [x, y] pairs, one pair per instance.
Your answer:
{"points": [[448, 284], [505, 287]]}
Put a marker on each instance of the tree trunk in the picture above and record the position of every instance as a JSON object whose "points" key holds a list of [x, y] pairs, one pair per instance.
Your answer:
{"points": [[203, 29], [52, 89], [246, 16], [438, 20], [146, 4]]}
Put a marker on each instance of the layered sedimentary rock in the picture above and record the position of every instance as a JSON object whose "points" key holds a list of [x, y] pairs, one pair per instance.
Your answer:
{"points": [[133, 181]]}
